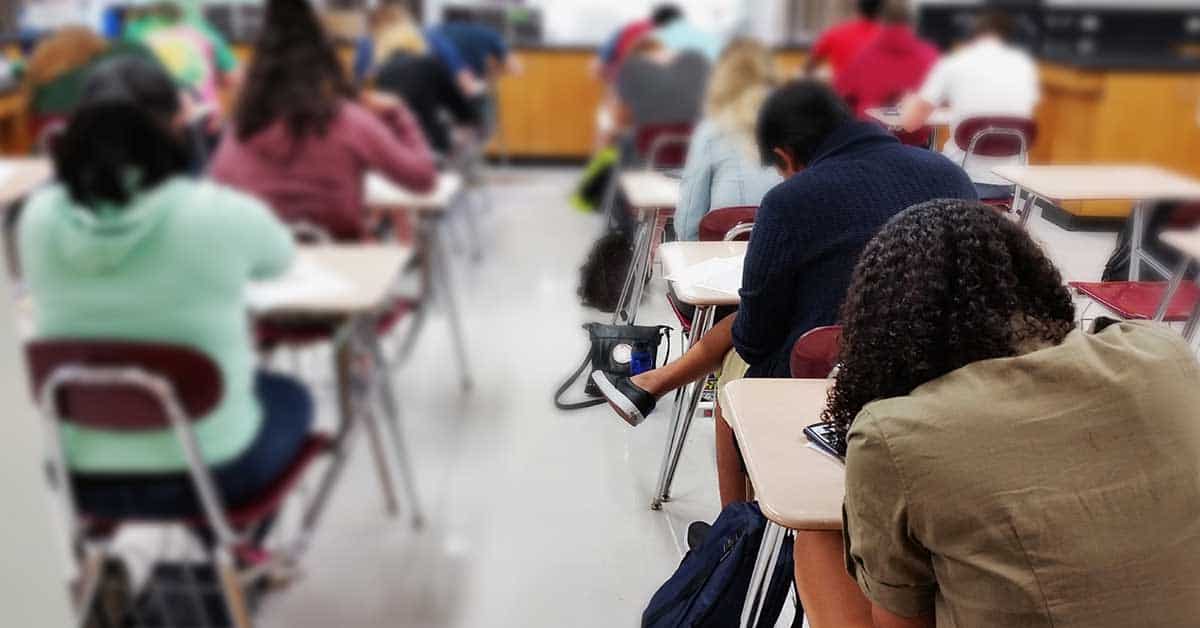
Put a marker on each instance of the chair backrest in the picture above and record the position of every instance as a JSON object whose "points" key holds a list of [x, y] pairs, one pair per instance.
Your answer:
{"points": [[921, 138], [129, 402], [717, 223], [663, 145], [996, 136], [815, 354]]}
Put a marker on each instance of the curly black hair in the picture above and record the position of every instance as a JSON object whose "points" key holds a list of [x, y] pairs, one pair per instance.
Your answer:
{"points": [[944, 284]]}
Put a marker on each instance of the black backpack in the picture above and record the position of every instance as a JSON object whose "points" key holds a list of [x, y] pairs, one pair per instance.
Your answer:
{"points": [[709, 588]]}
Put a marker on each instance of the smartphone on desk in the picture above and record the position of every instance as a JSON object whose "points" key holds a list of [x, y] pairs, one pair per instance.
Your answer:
{"points": [[826, 439]]}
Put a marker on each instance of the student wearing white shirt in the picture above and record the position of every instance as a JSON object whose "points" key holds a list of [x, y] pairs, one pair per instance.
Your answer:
{"points": [[986, 77]]}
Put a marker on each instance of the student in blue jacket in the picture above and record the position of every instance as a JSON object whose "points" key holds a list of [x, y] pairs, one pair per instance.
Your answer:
{"points": [[843, 180]]}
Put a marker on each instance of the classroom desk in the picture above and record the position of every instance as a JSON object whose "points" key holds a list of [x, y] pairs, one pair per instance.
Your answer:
{"points": [[798, 487], [369, 273], [1139, 183], [941, 118], [653, 195], [676, 258], [431, 211]]}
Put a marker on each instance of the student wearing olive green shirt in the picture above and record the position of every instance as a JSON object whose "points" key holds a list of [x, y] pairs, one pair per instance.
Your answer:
{"points": [[1004, 469], [127, 247]]}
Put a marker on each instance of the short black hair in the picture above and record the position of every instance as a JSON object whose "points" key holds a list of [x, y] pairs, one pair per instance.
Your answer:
{"points": [[995, 22], [798, 117], [664, 14], [870, 8], [119, 141]]}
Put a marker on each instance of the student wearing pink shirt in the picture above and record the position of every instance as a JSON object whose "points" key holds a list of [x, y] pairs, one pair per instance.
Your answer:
{"points": [[303, 140]]}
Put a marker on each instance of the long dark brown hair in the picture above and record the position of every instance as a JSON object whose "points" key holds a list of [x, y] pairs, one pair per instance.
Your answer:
{"points": [[295, 76], [944, 284]]}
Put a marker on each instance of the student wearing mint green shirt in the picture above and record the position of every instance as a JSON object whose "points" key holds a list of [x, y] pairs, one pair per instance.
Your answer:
{"points": [[127, 247]]}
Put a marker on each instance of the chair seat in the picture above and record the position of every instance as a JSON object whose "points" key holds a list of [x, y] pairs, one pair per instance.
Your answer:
{"points": [[1139, 300], [244, 515]]}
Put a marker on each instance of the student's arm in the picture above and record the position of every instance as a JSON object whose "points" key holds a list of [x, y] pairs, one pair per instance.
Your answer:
{"points": [[768, 293], [258, 234], [892, 567], [400, 153], [916, 108], [695, 194], [364, 58], [452, 58], [461, 109], [818, 54], [884, 618]]}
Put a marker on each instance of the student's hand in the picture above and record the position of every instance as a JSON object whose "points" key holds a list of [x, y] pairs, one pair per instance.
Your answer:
{"points": [[470, 84], [380, 103]]}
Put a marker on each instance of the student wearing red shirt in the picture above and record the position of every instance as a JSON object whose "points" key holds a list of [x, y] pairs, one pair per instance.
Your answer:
{"points": [[839, 45], [890, 67]]}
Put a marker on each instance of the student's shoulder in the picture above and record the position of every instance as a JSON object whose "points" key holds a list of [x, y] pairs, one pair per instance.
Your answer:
{"points": [[213, 201], [43, 207]]}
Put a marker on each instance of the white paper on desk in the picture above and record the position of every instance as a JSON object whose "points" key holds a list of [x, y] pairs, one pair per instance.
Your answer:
{"points": [[304, 282], [719, 274]]}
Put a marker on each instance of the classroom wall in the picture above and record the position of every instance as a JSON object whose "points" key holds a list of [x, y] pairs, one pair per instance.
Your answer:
{"points": [[590, 22]]}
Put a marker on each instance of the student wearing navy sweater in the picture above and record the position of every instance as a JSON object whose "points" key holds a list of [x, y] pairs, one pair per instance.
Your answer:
{"points": [[843, 180]]}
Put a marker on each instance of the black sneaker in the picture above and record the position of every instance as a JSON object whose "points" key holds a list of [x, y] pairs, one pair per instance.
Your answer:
{"points": [[631, 402]]}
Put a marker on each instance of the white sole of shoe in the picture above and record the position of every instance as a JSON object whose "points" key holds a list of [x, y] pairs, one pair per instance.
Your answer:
{"points": [[617, 400]]}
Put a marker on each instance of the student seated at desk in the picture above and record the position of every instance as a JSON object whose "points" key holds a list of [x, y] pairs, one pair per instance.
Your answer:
{"points": [[1003, 467], [839, 45], [656, 87], [894, 64], [985, 77], [128, 247], [303, 141], [408, 70], [844, 180]]}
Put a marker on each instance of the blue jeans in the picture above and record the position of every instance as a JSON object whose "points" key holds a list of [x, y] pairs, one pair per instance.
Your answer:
{"points": [[287, 418]]}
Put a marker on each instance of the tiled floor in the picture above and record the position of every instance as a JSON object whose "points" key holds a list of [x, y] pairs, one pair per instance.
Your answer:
{"points": [[536, 518]]}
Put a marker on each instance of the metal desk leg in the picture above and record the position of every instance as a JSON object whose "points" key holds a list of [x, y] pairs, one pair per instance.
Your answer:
{"points": [[343, 361], [764, 571], [439, 273], [1173, 287], [1189, 330], [1135, 241], [646, 256], [635, 279], [686, 402], [1022, 212], [387, 398]]}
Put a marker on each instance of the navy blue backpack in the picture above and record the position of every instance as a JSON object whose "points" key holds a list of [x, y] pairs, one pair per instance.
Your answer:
{"points": [[709, 588]]}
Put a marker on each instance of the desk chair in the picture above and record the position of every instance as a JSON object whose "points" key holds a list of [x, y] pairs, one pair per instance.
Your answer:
{"points": [[1173, 302], [996, 136], [136, 387], [816, 354], [663, 146]]}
